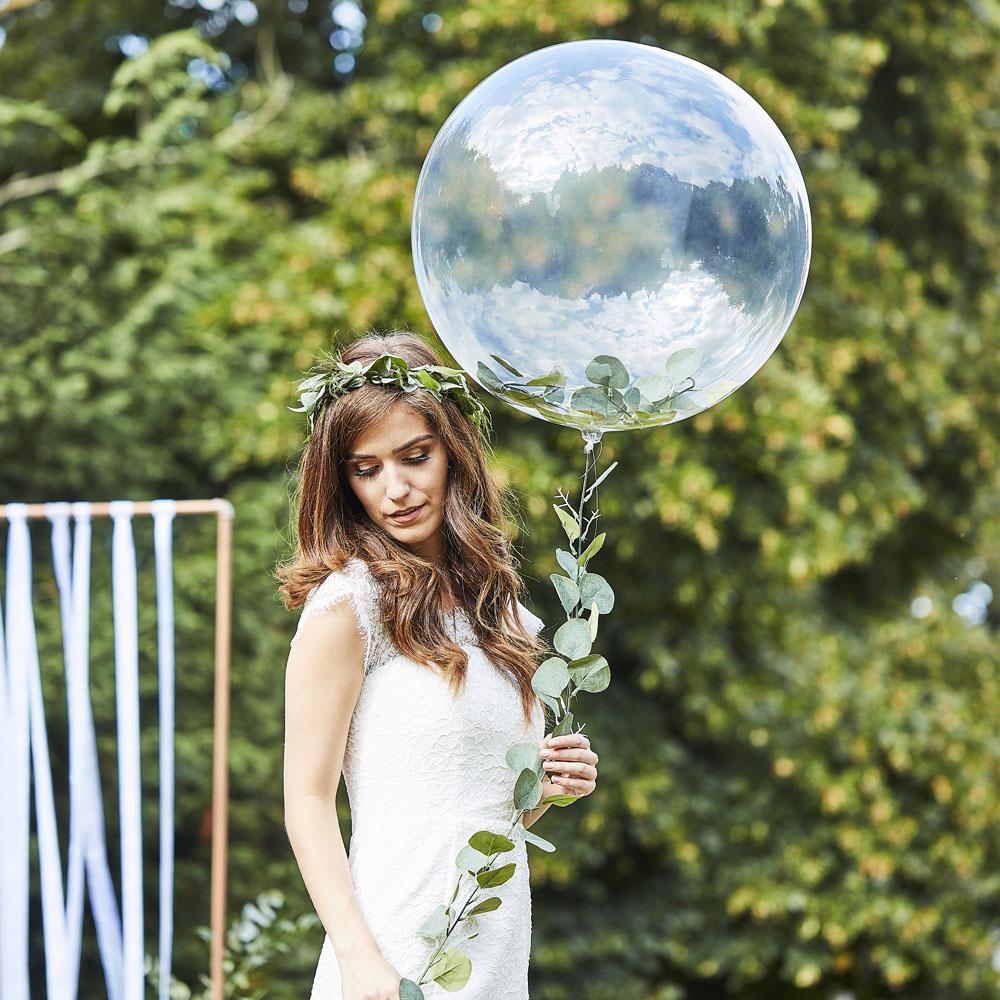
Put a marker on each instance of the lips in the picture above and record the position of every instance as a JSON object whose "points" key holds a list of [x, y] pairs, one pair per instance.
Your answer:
{"points": [[405, 515]]}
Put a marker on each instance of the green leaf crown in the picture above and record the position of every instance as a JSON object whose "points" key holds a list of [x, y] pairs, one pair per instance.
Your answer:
{"points": [[331, 378]]}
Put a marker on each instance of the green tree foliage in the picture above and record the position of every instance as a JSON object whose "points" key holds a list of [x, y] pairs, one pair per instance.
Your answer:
{"points": [[799, 776]]}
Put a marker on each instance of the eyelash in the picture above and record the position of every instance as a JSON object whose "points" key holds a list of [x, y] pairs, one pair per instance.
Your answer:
{"points": [[366, 473]]}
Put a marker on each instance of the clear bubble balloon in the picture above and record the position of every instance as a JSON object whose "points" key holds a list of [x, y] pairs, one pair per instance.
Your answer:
{"points": [[608, 235]]}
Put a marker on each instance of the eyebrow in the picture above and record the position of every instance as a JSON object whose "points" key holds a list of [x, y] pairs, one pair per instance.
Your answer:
{"points": [[353, 456]]}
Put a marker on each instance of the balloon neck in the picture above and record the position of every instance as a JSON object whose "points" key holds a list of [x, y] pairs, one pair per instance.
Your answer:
{"points": [[590, 438]]}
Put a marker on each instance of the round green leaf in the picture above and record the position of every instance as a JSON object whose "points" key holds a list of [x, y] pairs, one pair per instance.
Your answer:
{"points": [[496, 876], [594, 589], [522, 755], [568, 562], [527, 790], [561, 800], [593, 400], [591, 550], [551, 677], [487, 905], [608, 370], [489, 843], [469, 859], [533, 838], [436, 925], [595, 614], [572, 639], [568, 521], [654, 387], [683, 364], [409, 990], [488, 378], [590, 673], [565, 725], [568, 591], [451, 970]]}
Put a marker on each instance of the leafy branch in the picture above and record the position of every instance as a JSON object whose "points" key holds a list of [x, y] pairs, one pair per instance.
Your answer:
{"points": [[159, 76], [255, 939]]}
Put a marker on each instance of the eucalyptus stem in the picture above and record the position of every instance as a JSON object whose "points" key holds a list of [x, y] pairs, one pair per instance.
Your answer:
{"points": [[591, 438], [471, 897], [556, 682]]}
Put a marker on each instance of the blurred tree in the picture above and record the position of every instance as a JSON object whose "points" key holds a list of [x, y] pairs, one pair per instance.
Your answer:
{"points": [[799, 782]]}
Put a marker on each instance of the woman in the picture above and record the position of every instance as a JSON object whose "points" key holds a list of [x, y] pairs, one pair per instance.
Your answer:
{"points": [[411, 672]]}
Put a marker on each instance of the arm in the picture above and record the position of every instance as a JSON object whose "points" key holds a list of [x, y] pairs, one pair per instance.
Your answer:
{"points": [[322, 683], [529, 816]]}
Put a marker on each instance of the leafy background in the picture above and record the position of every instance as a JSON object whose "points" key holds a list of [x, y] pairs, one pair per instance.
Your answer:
{"points": [[800, 768]]}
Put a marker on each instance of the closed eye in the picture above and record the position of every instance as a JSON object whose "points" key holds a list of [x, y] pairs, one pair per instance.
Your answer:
{"points": [[414, 460]]}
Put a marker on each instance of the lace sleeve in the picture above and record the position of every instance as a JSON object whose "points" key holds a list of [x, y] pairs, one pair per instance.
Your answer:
{"points": [[340, 585], [531, 621]]}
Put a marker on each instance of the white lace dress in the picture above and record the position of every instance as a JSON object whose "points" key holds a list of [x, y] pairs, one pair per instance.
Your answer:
{"points": [[423, 773]]}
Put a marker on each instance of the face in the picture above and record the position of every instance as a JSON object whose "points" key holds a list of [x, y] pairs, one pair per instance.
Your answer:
{"points": [[397, 464]]}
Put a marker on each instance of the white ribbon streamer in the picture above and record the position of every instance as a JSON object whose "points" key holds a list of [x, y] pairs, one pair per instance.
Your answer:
{"points": [[88, 846], [58, 515], [124, 592], [57, 975], [14, 781], [163, 516]]}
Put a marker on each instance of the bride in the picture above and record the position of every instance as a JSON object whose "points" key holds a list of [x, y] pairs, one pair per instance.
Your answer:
{"points": [[410, 674]]}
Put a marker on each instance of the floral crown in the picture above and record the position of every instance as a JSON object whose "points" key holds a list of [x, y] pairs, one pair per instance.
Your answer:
{"points": [[331, 378]]}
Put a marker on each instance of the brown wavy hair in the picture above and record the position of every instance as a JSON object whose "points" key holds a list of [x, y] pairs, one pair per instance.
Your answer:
{"points": [[333, 527]]}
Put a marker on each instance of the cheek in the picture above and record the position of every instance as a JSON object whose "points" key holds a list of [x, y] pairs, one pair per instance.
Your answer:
{"points": [[439, 475], [364, 491]]}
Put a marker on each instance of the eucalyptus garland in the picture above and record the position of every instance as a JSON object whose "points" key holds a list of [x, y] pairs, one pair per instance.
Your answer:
{"points": [[332, 378]]}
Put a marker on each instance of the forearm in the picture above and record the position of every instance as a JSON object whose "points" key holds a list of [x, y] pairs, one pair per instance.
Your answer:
{"points": [[529, 816], [314, 833]]}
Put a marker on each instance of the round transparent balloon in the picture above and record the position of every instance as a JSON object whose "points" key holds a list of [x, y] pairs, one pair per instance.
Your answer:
{"points": [[608, 235]]}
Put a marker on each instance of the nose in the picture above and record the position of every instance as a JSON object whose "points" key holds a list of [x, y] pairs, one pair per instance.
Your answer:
{"points": [[397, 487]]}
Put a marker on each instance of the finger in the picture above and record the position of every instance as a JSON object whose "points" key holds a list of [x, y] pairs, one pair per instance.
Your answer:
{"points": [[568, 740], [568, 752], [585, 755], [587, 774], [562, 766], [574, 786]]}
